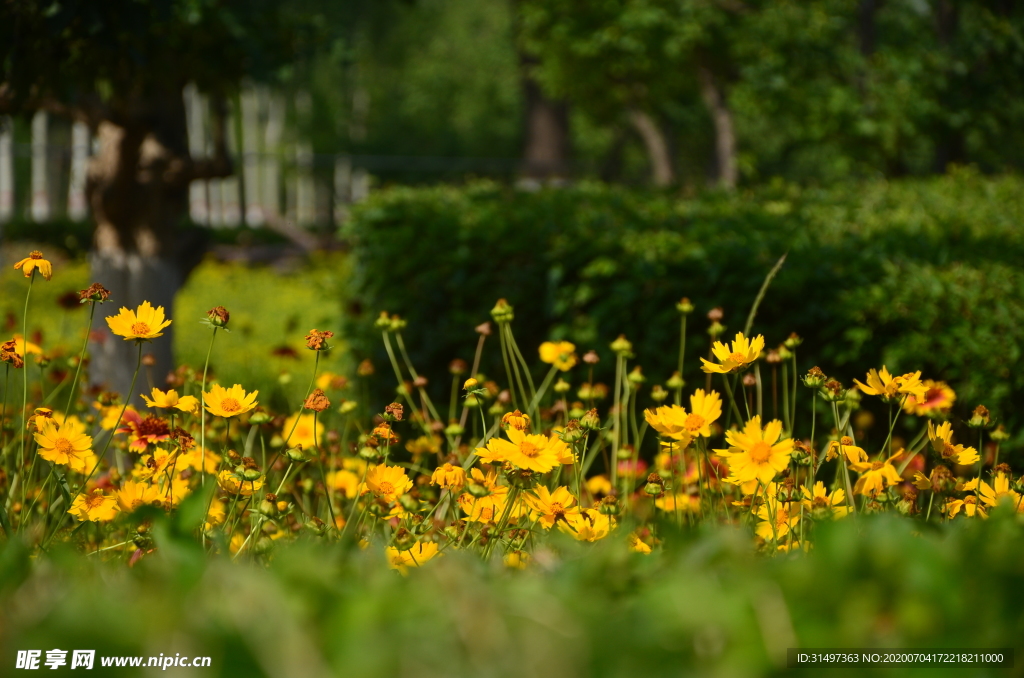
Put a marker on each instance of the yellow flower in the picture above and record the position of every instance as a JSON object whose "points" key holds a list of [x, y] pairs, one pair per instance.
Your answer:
{"points": [[449, 477], [890, 388], [587, 525], [527, 451], [776, 519], [637, 545], [387, 482], [170, 399], [754, 454], [33, 262], [685, 502], [215, 515], [516, 560], [551, 507], [744, 351], [938, 399], [344, 481], [831, 505], [144, 324], [853, 453], [599, 485], [66, 444], [941, 437], [876, 475], [668, 420], [969, 505], [414, 557], [227, 402], [132, 495], [992, 496], [234, 484], [303, 430], [561, 354], [95, 507], [20, 346], [705, 409]]}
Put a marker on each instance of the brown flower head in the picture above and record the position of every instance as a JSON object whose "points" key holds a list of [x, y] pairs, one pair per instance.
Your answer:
{"points": [[591, 358], [317, 401], [716, 314], [95, 292], [10, 356], [69, 301], [365, 368], [395, 410], [148, 359], [483, 328], [218, 316], [316, 340], [458, 366], [183, 439]]}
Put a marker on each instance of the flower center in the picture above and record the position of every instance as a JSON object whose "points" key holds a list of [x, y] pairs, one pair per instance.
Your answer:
{"points": [[386, 488], [64, 446], [737, 358], [230, 405], [876, 465], [948, 450], [93, 500], [557, 510], [529, 449], [781, 516], [153, 426], [760, 452], [694, 422], [140, 329]]}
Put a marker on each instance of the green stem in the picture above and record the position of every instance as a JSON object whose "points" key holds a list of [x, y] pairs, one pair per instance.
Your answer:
{"points": [[24, 392], [81, 359], [682, 353], [202, 410]]}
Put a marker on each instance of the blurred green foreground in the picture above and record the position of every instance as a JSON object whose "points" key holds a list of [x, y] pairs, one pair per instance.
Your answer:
{"points": [[704, 606]]}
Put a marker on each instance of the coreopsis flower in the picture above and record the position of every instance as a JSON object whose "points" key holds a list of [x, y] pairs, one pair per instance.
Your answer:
{"points": [[215, 514], [170, 399], [387, 482], [143, 324], [331, 380], [526, 451], [705, 409], [423, 445], [449, 477], [670, 503], [876, 475], [993, 496], [968, 504], [776, 518], [235, 483], [33, 262], [144, 431], [853, 453], [669, 421], [194, 459], [756, 454], [134, 494], [414, 557], [890, 388], [218, 316], [26, 347], [551, 507], [66, 445], [561, 354], [937, 400], [637, 545], [317, 401], [941, 438], [94, 292], [516, 420], [820, 503], [587, 525], [384, 434], [316, 340], [490, 507], [228, 402], [744, 351], [343, 481], [599, 486], [95, 506]]}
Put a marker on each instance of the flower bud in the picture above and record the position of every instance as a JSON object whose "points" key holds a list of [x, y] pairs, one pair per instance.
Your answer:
{"points": [[980, 418], [590, 421], [675, 382], [684, 306], [793, 341], [655, 485], [572, 432], [369, 453], [502, 312], [561, 386], [409, 503], [404, 539], [609, 506], [636, 376], [259, 417], [658, 394], [383, 321], [478, 490], [218, 316], [453, 429], [251, 475], [397, 324], [814, 378], [295, 454], [716, 329], [458, 367], [622, 346]]}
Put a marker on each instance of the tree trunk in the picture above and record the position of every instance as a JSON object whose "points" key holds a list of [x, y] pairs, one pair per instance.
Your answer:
{"points": [[546, 138], [950, 143], [137, 187], [662, 172], [726, 172]]}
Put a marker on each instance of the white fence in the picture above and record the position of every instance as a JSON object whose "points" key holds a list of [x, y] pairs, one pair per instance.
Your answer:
{"points": [[277, 177]]}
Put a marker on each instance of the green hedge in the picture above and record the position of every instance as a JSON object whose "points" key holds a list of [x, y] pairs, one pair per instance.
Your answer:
{"points": [[917, 274]]}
